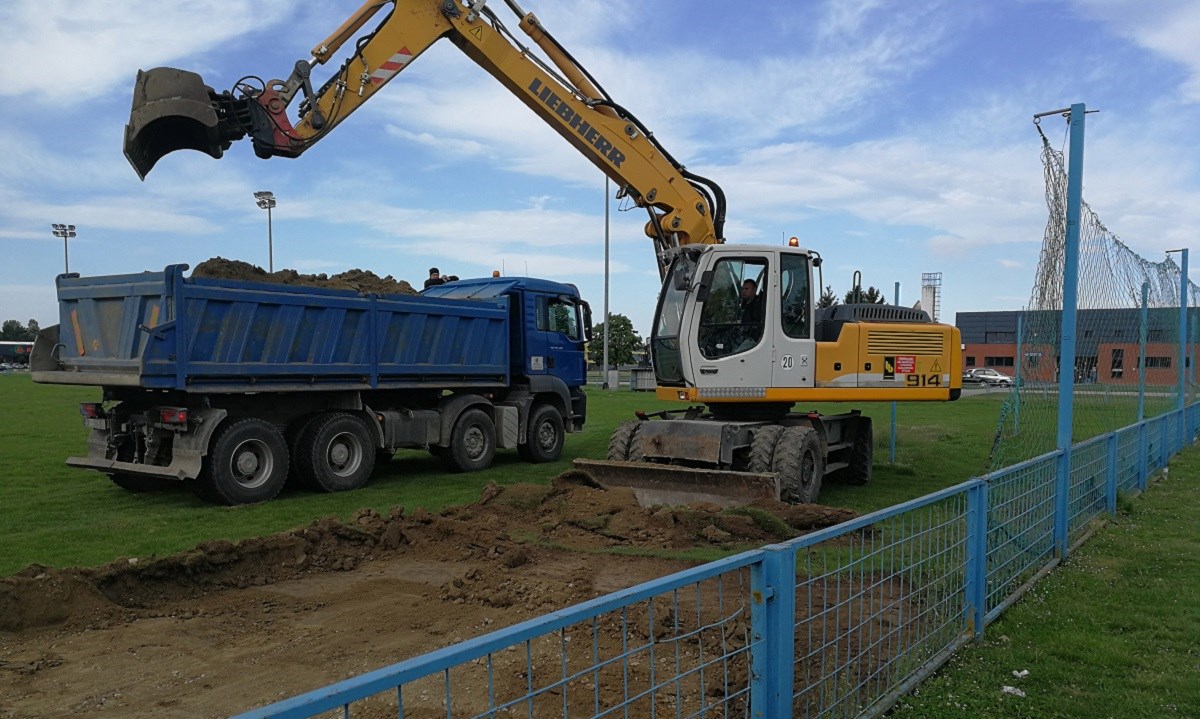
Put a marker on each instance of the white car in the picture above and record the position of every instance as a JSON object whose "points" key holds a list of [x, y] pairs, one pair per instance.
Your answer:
{"points": [[988, 376]]}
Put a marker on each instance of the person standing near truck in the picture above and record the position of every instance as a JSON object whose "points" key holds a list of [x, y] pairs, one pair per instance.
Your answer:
{"points": [[435, 278]]}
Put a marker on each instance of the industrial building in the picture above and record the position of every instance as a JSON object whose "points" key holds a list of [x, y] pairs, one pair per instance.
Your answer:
{"points": [[1107, 348]]}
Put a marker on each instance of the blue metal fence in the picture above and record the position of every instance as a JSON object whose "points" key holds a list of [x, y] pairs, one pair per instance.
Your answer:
{"points": [[837, 623]]}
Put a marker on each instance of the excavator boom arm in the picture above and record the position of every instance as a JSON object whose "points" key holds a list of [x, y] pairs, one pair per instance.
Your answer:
{"points": [[684, 208]]}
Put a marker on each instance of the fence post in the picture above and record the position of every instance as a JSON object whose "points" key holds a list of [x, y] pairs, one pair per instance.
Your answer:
{"points": [[892, 435], [773, 626], [1066, 353], [1143, 454], [1142, 334], [1110, 483], [977, 536]]}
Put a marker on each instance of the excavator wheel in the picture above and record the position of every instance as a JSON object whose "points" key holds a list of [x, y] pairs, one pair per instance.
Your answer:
{"points": [[622, 439], [762, 448], [800, 464], [858, 473]]}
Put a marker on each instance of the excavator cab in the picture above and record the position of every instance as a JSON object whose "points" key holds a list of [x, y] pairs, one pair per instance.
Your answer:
{"points": [[174, 110]]}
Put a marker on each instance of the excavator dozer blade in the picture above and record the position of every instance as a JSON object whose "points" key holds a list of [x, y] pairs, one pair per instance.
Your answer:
{"points": [[172, 110], [663, 484]]}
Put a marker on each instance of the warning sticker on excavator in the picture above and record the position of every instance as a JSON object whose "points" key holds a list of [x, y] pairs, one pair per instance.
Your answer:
{"points": [[477, 31], [889, 368], [906, 364], [937, 366]]}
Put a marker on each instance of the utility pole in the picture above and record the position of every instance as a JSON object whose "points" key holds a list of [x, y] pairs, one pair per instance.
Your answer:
{"points": [[604, 370]]}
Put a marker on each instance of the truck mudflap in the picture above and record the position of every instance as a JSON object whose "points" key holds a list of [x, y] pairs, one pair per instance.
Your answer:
{"points": [[662, 484]]}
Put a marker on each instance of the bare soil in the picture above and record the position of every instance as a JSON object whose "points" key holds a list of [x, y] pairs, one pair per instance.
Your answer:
{"points": [[228, 626], [363, 281]]}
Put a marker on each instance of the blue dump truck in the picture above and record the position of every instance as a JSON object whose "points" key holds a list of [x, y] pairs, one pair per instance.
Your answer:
{"points": [[234, 387]]}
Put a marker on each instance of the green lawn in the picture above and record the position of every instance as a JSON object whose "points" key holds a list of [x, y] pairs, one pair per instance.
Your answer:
{"points": [[60, 516], [1115, 632]]}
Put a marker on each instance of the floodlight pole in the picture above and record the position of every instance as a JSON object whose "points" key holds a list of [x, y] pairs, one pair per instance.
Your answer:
{"points": [[66, 232], [266, 201]]}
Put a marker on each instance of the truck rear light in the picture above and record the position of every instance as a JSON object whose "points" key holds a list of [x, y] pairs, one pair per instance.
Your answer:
{"points": [[172, 415], [91, 410]]}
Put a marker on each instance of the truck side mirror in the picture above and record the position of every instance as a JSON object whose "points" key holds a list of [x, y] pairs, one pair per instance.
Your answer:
{"points": [[587, 320]]}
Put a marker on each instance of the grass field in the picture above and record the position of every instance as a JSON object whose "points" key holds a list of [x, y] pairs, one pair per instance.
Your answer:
{"points": [[59, 516], [1115, 632]]}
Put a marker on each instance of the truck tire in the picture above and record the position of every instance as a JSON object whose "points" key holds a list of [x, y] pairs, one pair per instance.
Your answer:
{"points": [[622, 437], [335, 453], [246, 463], [139, 483], [862, 454], [800, 463], [545, 436], [292, 435], [472, 442]]}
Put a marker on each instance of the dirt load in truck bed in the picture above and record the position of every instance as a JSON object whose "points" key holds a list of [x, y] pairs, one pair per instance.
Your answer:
{"points": [[363, 281], [227, 626]]}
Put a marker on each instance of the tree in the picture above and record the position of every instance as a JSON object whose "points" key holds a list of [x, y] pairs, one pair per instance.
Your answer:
{"points": [[622, 342], [14, 331], [869, 296], [829, 298]]}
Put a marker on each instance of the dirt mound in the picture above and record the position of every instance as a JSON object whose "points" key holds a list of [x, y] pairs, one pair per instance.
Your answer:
{"points": [[503, 529], [363, 281]]}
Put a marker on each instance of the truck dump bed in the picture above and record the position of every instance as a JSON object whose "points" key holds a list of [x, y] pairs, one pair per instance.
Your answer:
{"points": [[160, 330]]}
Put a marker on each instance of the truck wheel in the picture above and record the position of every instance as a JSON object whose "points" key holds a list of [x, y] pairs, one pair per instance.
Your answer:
{"points": [[621, 439], [858, 473], [545, 436], [472, 443], [248, 462], [295, 431], [800, 464], [138, 483], [335, 453]]}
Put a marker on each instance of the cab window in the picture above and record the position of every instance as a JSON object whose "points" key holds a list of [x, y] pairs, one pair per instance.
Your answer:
{"points": [[733, 317], [794, 296], [557, 315]]}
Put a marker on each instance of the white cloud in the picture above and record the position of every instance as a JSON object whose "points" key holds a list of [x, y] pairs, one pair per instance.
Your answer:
{"points": [[67, 53], [1170, 28]]}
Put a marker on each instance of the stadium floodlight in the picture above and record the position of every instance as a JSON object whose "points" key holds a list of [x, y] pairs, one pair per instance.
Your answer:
{"points": [[66, 232], [266, 201]]}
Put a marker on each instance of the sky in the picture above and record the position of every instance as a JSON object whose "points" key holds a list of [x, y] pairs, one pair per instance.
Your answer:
{"points": [[895, 138]]}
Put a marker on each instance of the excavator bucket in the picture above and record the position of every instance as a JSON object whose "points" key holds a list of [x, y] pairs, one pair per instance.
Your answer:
{"points": [[172, 110], [662, 484]]}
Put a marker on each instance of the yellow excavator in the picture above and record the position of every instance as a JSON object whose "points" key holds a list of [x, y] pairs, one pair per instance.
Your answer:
{"points": [[737, 334]]}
